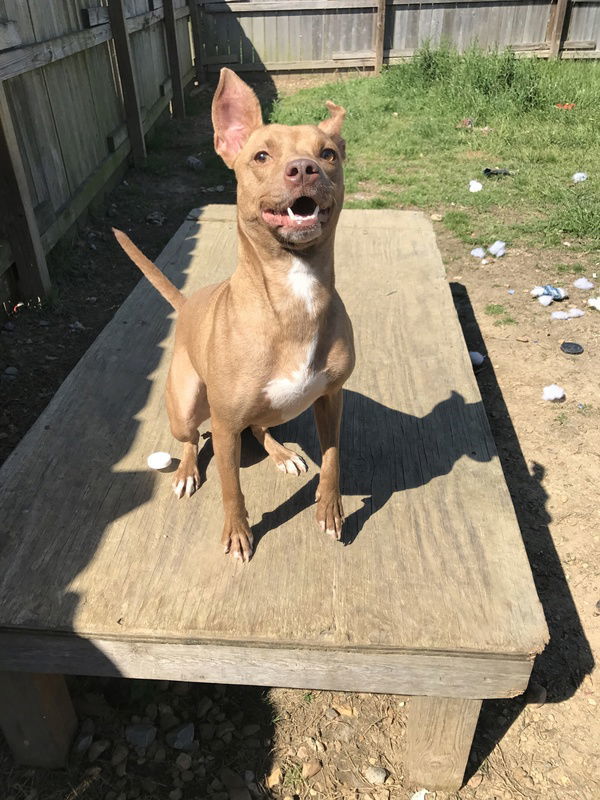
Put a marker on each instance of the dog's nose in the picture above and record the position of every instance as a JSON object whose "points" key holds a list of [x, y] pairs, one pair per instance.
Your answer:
{"points": [[302, 171]]}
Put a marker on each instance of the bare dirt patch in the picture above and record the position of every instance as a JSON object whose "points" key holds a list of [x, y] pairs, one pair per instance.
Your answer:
{"points": [[295, 744]]}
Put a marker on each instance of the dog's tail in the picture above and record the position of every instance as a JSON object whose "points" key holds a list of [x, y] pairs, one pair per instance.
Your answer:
{"points": [[170, 292]]}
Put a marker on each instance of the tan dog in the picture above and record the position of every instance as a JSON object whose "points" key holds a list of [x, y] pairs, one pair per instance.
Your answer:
{"points": [[261, 347]]}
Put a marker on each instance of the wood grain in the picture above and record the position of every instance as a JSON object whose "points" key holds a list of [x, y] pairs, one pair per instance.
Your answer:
{"points": [[434, 559], [439, 734]]}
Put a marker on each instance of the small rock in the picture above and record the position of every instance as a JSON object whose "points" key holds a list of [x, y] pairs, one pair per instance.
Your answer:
{"points": [[250, 730], [343, 732], [571, 348], [436, 217], [475, 781], [140, 735], [274, 778], [181, 737], [219, 188], [206, 731], [175, 794], [376, 775], [184, 761], [9, 326], [331, 713], [230, 779], [148, 785], [345, 711], [43, 323], [187, 775], [195, 163], [97, 748], [82, 743], [156, 218], [225, 727], [204, 705], [249, 776], [160, 755], [310, 768], [11, 371], [303, 754], [119, 754]]}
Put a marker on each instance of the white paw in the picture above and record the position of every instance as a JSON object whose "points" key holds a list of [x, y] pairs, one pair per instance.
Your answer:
{"points": [[295, 465]]}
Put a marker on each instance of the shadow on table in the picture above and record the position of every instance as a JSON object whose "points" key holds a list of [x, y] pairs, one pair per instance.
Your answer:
{"points": [[567, 659]]}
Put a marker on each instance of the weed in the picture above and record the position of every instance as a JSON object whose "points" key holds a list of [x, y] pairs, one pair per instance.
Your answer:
{"points": [[570, 269], [507, 320], [494, 309], [292, 777], [561, 418]]}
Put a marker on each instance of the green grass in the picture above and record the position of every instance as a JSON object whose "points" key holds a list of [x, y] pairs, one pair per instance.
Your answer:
{"points": [[405, 149], [494, 309]]}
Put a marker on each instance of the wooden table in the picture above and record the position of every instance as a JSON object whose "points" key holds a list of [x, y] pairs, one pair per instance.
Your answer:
{"points": [[104, 572]]}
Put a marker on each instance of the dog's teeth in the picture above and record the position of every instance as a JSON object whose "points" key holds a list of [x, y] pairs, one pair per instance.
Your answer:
{"points": [[290, 213]]}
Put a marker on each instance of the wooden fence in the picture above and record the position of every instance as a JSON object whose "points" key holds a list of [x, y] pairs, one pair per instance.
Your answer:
{"points": [[294, 35], [81, 82]]}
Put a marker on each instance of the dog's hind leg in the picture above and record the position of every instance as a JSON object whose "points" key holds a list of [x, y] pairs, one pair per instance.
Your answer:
{"points": [[285, 459], [187, 406]]}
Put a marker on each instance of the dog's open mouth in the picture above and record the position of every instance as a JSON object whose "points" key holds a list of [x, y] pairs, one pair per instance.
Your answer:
{"points": [[303, 213]]}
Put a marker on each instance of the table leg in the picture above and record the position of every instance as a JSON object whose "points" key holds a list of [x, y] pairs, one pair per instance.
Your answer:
{"points": [[37, 718], [439, 736]]}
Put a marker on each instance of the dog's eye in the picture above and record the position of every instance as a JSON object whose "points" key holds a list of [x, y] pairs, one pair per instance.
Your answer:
{"points": [[261, 156], [328, 154]]}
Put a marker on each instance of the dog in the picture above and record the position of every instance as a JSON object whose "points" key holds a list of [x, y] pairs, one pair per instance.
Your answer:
{"points": [[261, 347]]}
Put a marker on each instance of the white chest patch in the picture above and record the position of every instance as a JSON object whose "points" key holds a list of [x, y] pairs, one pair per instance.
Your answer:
{"points": [[294, 394], [303, 283]]}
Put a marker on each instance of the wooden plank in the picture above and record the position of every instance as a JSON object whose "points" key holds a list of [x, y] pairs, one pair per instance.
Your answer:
{"points": [[422, 486], [255, 6], [128, 82], [96, 182], [379, 35], [18, 218], [558, 27], [291, 66], [439, 734], [337, 669], [9, 34], [174, 64], [33, 56], [37, 718], [38, 139]]}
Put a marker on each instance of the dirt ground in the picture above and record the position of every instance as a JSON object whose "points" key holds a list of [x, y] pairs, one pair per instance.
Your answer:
{"points": [[248, 742]]}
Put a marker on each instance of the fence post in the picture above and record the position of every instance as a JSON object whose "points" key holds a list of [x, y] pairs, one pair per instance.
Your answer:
{"points": [[557, 31], [379, 35], [133, 117], [18, 219], [197, 40], [174, 66]]}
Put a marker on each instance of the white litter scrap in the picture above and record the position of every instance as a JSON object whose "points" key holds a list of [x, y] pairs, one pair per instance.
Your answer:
{"points": [[478, 252], [572, 313], [580, 177], [498, 249], [477, 359], [594, 302], [545, 300], [583, 283], [420, 795], [553, 393], [475, 186], [159, 460]]}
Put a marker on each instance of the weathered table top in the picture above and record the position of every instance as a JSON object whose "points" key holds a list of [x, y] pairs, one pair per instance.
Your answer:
{"points": [[98, 556]]}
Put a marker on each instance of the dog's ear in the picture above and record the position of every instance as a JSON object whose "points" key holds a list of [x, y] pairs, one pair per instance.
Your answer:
{"points": [[333, 124], [235, 114]]}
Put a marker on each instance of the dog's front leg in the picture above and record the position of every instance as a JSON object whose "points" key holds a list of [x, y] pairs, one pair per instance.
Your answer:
{"points": [[328, 416], [237, 538]]}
